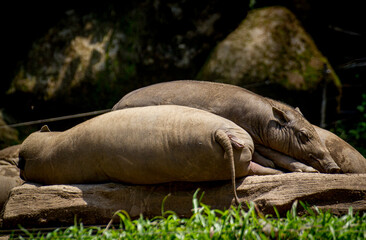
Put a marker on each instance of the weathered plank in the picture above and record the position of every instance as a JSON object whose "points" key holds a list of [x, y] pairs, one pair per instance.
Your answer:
{"points": [[56, 205]]}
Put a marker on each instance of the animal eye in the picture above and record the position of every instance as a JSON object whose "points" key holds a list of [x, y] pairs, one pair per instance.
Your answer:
{"points": [[303, 137]]}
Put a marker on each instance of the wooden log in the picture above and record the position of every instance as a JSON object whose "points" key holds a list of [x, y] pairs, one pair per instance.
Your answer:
{"points": [[33, 205]]}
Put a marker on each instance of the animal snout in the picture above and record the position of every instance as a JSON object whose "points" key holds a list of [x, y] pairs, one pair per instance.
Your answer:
{"points": [[333, 168]]}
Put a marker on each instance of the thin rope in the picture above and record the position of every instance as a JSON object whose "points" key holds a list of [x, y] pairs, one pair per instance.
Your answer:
{"points": [[79, 115]]}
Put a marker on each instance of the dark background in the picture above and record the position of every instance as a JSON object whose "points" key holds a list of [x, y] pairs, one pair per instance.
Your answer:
{"points": [[337, 27]]}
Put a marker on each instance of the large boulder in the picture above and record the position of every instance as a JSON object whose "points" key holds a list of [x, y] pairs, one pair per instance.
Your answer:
{"points": [[271, 54], [32, 205], [105, 52], [75, 56]]}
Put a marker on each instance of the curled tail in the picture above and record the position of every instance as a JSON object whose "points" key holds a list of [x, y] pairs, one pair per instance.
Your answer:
{"points": [[227, 141]]}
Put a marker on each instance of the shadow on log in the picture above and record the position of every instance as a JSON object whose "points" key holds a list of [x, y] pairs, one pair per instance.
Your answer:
{"points": [[34, 205]]}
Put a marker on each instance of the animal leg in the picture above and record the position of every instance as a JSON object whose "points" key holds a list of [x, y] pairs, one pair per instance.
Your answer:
{"points": [[256, 169], [284, 161], [265, 162]]}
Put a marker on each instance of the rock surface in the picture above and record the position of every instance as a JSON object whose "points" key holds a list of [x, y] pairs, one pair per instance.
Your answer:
{"points": [[270, 44], [113, 49], [55, 205], [270, 53]]}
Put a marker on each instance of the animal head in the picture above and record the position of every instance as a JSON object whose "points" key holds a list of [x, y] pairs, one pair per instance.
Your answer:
{"points": [[290, 133]]}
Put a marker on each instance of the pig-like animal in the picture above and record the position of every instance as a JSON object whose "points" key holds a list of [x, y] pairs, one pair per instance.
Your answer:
{"points": [[270, 123], [345, 156], [146, 145]]}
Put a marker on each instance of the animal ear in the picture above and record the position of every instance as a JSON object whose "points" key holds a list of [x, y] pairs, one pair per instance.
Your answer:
{"points": [[280, 115], [45, 129], [297, 109], [236, 142]]}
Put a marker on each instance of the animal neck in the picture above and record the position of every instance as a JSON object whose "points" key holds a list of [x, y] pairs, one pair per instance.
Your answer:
{"points": [[256, 116]]}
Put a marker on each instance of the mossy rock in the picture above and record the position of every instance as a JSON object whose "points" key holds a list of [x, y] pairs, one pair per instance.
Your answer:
{"points": [[269, 45], [83, 55], [91, 58], [270, 53]]}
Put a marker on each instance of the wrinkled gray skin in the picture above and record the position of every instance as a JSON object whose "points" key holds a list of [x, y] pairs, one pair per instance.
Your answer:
{"points": [[270, 123], [146, 145], [10, 155], [346, 157], [9, 172]]}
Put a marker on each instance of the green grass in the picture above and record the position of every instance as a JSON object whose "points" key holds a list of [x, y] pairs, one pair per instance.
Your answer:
{"points": [[207, 223]]}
